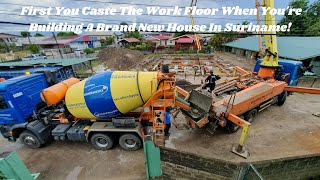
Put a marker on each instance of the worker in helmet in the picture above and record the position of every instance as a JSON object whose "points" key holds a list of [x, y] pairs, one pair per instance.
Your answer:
{"points": [[211, 81]]}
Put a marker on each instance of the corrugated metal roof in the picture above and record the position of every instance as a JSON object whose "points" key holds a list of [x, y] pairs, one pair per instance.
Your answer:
{"points": [[46, 62], [184, 40], [131, 40], [297, 48]]}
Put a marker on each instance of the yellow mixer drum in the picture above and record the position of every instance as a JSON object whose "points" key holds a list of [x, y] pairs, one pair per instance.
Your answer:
{"points": [[110, 94]]}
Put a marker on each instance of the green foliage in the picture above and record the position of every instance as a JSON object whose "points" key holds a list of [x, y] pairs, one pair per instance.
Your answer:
{"points": [[177, 34], [6, 47], [208, 49], [38, 35], [25, 34], [123, 23], [139, 47], [218, 40], [191, 49], [132, 47], [107, 41], [134, 34], [89, 50], [313, 30], [307, 22], [66, 34], [147, 45], [34, 48]]}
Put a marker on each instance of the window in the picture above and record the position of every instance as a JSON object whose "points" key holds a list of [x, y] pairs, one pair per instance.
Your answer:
{"points": [[3, 104]]}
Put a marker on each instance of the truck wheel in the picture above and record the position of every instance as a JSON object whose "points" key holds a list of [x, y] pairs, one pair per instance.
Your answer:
{"points": [[29, 139], [232, 127], [282, 98], [101, 141], [249, 116], [130, 142]]}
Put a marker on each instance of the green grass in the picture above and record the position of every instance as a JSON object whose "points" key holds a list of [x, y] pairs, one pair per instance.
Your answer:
{"points": [[9, 56]]}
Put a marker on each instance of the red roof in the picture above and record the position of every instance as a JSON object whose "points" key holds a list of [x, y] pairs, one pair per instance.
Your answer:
{"points": [[131, 40], [161, 37], [184, 40], [188, 36]]}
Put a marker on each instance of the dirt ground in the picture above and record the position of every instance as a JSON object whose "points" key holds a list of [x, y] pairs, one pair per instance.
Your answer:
{"points": [[277, 132], [78, 160]]}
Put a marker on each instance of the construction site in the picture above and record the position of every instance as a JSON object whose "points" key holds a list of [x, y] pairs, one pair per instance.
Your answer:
{"points": [[278, 133], [247, 111]]}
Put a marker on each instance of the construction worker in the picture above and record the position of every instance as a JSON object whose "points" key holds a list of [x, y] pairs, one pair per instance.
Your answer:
{"points": [[168, 121], [211, 81]]}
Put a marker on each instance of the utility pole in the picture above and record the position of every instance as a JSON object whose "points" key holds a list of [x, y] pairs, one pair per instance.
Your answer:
{"points": [[28, 35], [54, 36]]}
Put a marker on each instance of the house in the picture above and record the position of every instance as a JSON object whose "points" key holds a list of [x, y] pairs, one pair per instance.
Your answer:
{"points": [[206, 38], [8, 38], [119, 36], [83, 42], [129, 41], [305, 49], [167, 34], [187, 40], [75, 42], [146, 35], [103, 35], [163, 41]]}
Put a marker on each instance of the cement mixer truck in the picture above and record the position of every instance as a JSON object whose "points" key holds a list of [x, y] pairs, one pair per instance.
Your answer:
{"points": [[102, 109]]}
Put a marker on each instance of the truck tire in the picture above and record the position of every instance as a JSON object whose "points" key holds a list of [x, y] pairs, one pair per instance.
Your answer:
{"points": [[281, 98], [250, 115], [101, 141], [30, 140], [130, 142], [232, 127]]}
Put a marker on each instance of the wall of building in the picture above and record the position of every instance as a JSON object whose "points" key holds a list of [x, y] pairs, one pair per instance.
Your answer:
{"points": [[83, 45], [179, 165]]}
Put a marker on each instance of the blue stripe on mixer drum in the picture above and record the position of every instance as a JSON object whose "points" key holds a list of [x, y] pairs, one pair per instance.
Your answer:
{"points": [[98, 96]]}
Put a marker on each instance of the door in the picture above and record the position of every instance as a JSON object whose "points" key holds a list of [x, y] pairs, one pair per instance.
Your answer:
{"points": [[6, 111]]}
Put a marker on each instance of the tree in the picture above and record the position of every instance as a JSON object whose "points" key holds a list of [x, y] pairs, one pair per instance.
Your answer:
{"points": [[313, 30], [107, 41], [66, 34], [34, 48], [38, 35], [134, 34], [218, 40], [307, 22], [123, 24], [25, 34], [177, 34]]}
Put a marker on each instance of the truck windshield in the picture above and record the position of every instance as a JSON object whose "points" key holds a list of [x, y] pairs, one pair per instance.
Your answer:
{"points": [[3, 103]]}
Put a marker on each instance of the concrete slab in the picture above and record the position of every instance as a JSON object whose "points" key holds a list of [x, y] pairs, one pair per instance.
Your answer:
{"points": [[76, 160], [277, 132]]}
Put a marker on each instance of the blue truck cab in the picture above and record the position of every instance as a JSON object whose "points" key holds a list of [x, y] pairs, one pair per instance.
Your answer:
{"points": [[293, 68], [20, 97]]}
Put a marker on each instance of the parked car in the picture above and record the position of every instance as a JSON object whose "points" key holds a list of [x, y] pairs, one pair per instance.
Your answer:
{"points": [[34, 57]]}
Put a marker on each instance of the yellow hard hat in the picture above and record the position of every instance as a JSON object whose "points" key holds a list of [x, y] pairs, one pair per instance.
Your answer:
{"points": [[28, 73]]}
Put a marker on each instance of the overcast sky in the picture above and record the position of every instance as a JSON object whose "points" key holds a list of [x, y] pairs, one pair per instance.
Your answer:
{"points": [[10, 11]]}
